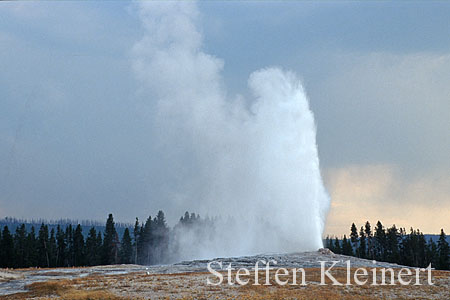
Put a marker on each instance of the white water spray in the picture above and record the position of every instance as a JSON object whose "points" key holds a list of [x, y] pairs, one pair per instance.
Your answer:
{"points": [[253, 159]]}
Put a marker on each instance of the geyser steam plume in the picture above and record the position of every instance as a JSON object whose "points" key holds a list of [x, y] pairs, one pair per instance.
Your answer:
{"points": [[253, 159]]}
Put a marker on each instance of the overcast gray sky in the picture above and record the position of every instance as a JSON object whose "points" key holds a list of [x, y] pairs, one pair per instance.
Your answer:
{"points": [[75, 139]]}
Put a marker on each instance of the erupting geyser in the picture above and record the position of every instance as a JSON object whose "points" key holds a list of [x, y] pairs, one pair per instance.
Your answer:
{"points": [[252, 161]]}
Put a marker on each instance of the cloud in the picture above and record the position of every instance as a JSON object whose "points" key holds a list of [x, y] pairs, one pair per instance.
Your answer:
{"points": [[383, 108], [379, 192]]}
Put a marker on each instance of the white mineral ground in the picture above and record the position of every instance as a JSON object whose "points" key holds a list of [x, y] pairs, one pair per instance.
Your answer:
{"points": [[15, 281]]}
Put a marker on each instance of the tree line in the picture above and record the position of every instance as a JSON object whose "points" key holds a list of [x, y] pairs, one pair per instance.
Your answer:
{"points": [[152, 242], [146, 244], [393, 245]]}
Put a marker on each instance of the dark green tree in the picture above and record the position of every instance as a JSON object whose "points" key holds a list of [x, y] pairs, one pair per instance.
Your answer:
{"points": [[443, 252], [20, 244], [136, 232], [69, 246], [110, 242], [329, 243], [379, 242], [368, 232], [31, 253], [78, 247], [337, 246], [7, 248], [60, 247], [392, 244], [99, 247], [346, 246], [43, 243], [126, 248], [362, 243], [146, 242], [421, 250], [93, 251], [160, 239], [52, 248], [354, 237], [431, 253]]}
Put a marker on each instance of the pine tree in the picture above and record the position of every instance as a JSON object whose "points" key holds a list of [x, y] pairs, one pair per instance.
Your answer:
{"points": [[328, 243], [92, 251], [99, 248], [146, 242], [443, 252], [78, 247], [20, 239], [354, 237], [160, 234], [7, 248], [110, 242], [126, 249], [31, 246], [368, 232], [392, 244], [44, 260], [362, 243], [346, 246], [69, 246], [52, 248], [421, 250], [431, 253], [60, 247], [380, 242], [136, 231], [337, 246]]}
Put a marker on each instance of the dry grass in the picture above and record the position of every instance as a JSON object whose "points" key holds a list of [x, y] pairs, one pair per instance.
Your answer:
{"points": [[190, 286], [63, 289]]}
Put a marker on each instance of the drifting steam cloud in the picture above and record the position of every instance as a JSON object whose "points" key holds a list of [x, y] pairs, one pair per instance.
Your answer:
{"points": [[252, 161]]}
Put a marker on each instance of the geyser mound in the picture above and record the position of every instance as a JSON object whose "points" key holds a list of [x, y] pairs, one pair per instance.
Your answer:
{"points": [[255, 160]]}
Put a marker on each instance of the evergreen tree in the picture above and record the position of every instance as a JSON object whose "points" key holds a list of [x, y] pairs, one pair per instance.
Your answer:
{"points": [[110, 242], [78, 247], [20, 240], [431, 253], [392, 245], [31, 246], [328, 243], [160, 235], [43, 239], [337, 246], [354, 237], [443, 252], [99, 248], [346, 246], [186, 218], [92, 249], [52, 248], [362, 243], [421, 250], [7, 248], [146, 242], [60, 247], [379, 242], [136, 232], [69, 246], [126, 249], [411, 252], [368, 232]]}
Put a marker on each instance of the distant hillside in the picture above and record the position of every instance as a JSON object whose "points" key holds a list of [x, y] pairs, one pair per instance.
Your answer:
{"points": [[435, 237], [86, 225]]}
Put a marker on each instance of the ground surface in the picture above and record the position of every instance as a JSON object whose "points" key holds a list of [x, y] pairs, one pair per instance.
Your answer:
{"points": [[188, 280]]}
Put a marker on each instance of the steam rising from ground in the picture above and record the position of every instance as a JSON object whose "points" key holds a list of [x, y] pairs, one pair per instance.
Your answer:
{"points": [[252, 161]]}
